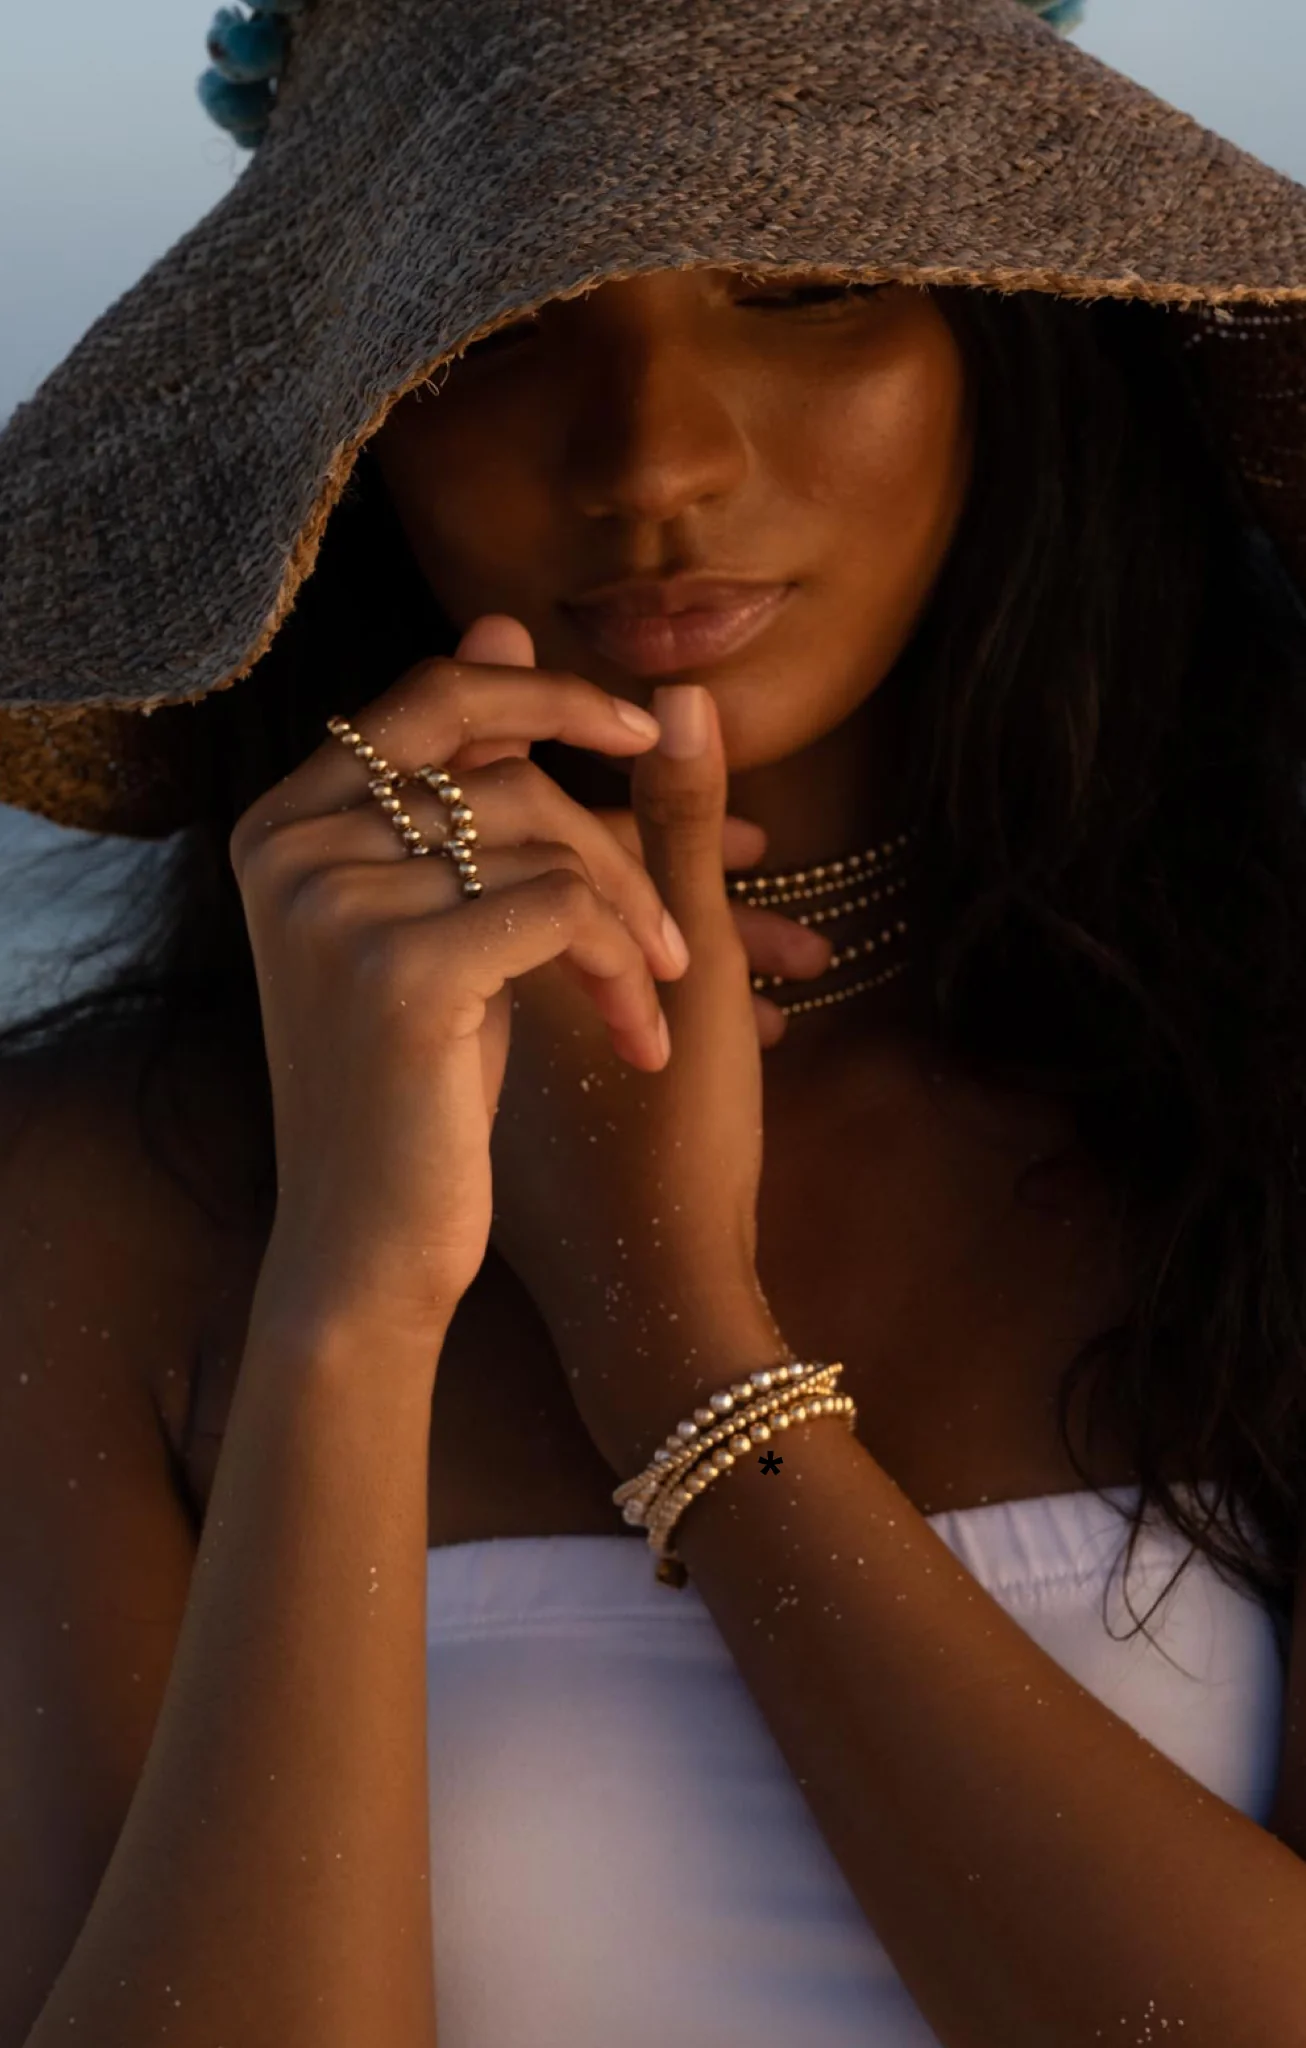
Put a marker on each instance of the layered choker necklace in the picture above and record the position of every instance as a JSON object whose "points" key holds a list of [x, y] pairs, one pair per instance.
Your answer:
{"points": [[839, 888]]}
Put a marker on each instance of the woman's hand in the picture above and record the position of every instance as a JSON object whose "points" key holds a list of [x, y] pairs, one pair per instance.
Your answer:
{"points": [[773, 943], [385, 993], [626, 1200]]}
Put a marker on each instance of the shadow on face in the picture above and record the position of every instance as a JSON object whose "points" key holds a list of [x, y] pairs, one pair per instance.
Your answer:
{"points": [[802, 431]]}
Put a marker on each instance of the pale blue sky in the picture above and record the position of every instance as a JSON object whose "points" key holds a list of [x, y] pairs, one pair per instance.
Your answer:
{"points": [[106, 157]]}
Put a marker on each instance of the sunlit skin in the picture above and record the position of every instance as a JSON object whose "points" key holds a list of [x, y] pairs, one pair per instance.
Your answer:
{"points": [[796, 430]]}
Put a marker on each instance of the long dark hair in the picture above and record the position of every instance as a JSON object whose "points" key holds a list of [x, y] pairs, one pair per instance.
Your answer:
{"points": [[1111, 676]]}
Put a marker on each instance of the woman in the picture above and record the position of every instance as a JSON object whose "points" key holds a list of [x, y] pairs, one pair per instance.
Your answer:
{"points": [[452, 1232]]}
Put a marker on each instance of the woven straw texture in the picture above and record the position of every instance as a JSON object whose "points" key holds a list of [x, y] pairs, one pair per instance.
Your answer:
{"points": [[434, 168]]}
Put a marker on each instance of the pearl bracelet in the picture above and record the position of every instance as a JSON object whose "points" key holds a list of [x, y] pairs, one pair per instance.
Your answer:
{"points": [[718, 1450], [703, 1446], [762, 1393]]}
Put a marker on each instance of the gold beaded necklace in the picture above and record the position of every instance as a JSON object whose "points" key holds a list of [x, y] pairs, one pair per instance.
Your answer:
{"points": [[873, 876]]}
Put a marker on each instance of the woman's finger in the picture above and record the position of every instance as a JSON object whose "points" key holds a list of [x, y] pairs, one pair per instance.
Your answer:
{"points": [[538, 904], [771, 1022], [678, 795], [589, 941], [503, 641], [776, 944], [513, 803], [514, 800], [434, 710], [743, 844]]}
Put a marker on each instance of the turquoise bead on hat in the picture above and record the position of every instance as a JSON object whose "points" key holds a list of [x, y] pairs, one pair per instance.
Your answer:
{"points": [[1062, 15], [246, 47], [242, 109]]}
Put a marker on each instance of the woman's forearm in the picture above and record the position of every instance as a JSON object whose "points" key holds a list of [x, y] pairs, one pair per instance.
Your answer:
{"points": [[270, 1885], [1039, 1875]]}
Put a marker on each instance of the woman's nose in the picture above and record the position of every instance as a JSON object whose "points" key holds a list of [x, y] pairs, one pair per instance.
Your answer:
{"points": [[655, 431]]}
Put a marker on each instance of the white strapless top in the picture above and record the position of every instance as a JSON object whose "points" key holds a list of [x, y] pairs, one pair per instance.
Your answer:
{"points": [[621, 1857]]}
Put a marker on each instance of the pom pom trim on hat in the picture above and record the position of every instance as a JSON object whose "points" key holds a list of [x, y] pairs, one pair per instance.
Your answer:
{"points": [[1062, 15], [247, 47], [248, 52], [241, 108]]}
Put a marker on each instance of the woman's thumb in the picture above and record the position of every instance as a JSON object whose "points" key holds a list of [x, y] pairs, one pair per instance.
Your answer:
{"points": [[678, 794]]}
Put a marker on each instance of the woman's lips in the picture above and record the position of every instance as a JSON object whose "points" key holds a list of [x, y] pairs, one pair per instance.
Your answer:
{"points": [[659, 645]]}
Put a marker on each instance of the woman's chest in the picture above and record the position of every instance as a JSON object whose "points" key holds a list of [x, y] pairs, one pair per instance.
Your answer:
{"points": [[954, 1307]]}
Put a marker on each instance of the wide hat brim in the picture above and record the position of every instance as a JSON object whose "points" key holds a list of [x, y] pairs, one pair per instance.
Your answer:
{"points": [[434, 168]]}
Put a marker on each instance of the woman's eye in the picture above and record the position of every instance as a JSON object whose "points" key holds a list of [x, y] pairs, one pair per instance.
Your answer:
{"points": [[813, 297], [817, 295]]}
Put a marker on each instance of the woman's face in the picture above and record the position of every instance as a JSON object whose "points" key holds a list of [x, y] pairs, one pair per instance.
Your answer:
{"points": [[805, 434]]}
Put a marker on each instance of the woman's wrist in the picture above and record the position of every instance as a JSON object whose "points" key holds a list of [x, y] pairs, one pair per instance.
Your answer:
{"points": [[681, 1364], [349, 1336]]}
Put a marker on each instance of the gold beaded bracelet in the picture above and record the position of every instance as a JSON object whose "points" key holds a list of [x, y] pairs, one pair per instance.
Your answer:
{"points": [[713, 1424], [780, 1414], [703, 1446]]}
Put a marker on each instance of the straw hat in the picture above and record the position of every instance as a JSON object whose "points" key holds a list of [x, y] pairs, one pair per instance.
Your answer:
{"points": [[433, 169]]}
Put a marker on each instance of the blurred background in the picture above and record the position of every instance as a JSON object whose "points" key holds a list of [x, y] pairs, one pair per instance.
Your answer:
{"points": [[106, 157]]}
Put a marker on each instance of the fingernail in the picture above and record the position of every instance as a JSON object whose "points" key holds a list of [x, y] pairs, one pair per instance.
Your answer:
{"points": [[681, 711], [638, 720], [674, 940], [664, 1036]]}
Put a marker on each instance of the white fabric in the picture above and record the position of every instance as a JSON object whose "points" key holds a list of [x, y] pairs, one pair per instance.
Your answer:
{"points": [[620, 1856]]}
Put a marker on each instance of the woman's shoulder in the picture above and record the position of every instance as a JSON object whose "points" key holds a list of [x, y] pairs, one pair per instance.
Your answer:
{"points": [[180, 1138], [120, 1210]]}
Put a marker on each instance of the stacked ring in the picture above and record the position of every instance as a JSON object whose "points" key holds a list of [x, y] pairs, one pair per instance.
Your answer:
{"points": [[382, 781]]}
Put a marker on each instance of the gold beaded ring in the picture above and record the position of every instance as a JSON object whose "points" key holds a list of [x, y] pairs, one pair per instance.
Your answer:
{"points": [[382, 781]]}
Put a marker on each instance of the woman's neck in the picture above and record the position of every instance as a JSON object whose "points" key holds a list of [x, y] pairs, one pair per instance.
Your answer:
{"points": [[843, 795], [839, 796]]}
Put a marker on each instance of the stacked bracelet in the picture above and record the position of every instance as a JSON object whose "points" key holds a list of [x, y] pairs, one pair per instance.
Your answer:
{"points": [[704, 1445]]}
